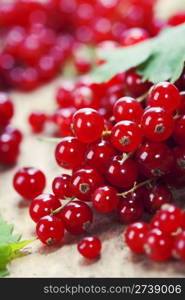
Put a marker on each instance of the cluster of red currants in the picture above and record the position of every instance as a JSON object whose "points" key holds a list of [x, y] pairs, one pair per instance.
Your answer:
{"points": [[38, 37], [10, 138], [163, 238]]}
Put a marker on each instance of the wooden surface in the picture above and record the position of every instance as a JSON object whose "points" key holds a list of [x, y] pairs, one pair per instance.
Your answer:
{"points": [[116, 259]]}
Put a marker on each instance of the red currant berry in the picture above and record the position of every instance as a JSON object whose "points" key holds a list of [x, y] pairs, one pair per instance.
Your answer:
{"points": [[183, 220], [179, 131], [121, 174], [105, 199], [76, 217], [179, 246], [134, 84], [155, 197], [154, 159], [126, 136], [179, 160], [29, 182], [50, 230], [133, 36], [37, 120], [84, 182], [167, 219], [43, 205], [9, 148], [89, 247], [165, 95], [69, 152], [127, 108], [64, 97], [158, 245], [88, 125], [63, 119], [6, 109], [157, 124], [131, 209], [61, 186], [98, 154], [15, 133], [135, 236]]}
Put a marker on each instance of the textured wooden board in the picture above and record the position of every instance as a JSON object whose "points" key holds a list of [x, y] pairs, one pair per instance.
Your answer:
{"points": [[116, 259]]}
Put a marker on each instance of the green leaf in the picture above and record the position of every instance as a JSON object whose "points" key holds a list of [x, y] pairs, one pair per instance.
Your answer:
{"points": [[10, 246], [158, 59]]}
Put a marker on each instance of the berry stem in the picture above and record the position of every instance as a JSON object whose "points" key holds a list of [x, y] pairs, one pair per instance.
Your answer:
{"points": [[49, 139], [135, 187], [106, 132], [62, 206], [125, 156], [142, 97]]}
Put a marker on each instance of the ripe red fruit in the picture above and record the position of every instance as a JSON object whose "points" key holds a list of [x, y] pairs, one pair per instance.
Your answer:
{"points": [[105, 199], [50, 230], [43, 205], [6, 109], [76, 217], [127, 108], [158, 245], [29, 182], [157, 124], [121, 174], [179, 246], [179, 131], [63, 119], [183, 220], [64, 97], [165, 95], [88, 125], [84, 182], [133, 36], [37, 120], [134, 85], [89, 247], [69, 152], [135, 236], [61, 186]]}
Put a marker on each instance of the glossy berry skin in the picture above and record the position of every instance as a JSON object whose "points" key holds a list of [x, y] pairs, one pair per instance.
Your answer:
{"points": [[167, 219], [9, 147], [29, 182], [61, 186], [15, 133], [84, 182], [6, 109], [127, 108], [179, 160], [64, 96], [98, 154], [158, 245], [126, 136], [88, 125], [120, 174], [135, 236], [133, 36], [183, 220], [179, 131], [130, 209], [154, 159], [69, 152], [179, 246], [105, 199], [50, 230], [63, 119], [76, 217], [43, 205], [89, 247], [165, 95], [157, 124], [37, 120], [134, 86], [155, 197]]}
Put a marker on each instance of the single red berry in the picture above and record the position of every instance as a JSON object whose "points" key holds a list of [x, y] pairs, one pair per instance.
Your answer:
{"points": [[16, 134], [179, 131], [165, 95], [6, 109], [9, 148], [121, 174], [127, 108], [76, 217], [63, 119], [157, 124], [84, 182], [154, 159], [50, 230], [29, 182], [43, 205], [134, 84], [133, 36], [64, 97], [167, 219], [69, 152], [105, 199], [88, 125], [131, 208], [126, 136], [158, 245], [98, 154], [37, 121], [179, 246], [89, 247], [179, 160], [61, 186], [155, 197], [135, 236]]}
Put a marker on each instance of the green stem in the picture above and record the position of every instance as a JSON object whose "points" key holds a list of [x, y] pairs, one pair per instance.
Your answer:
{"points": [[135, 187]]}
